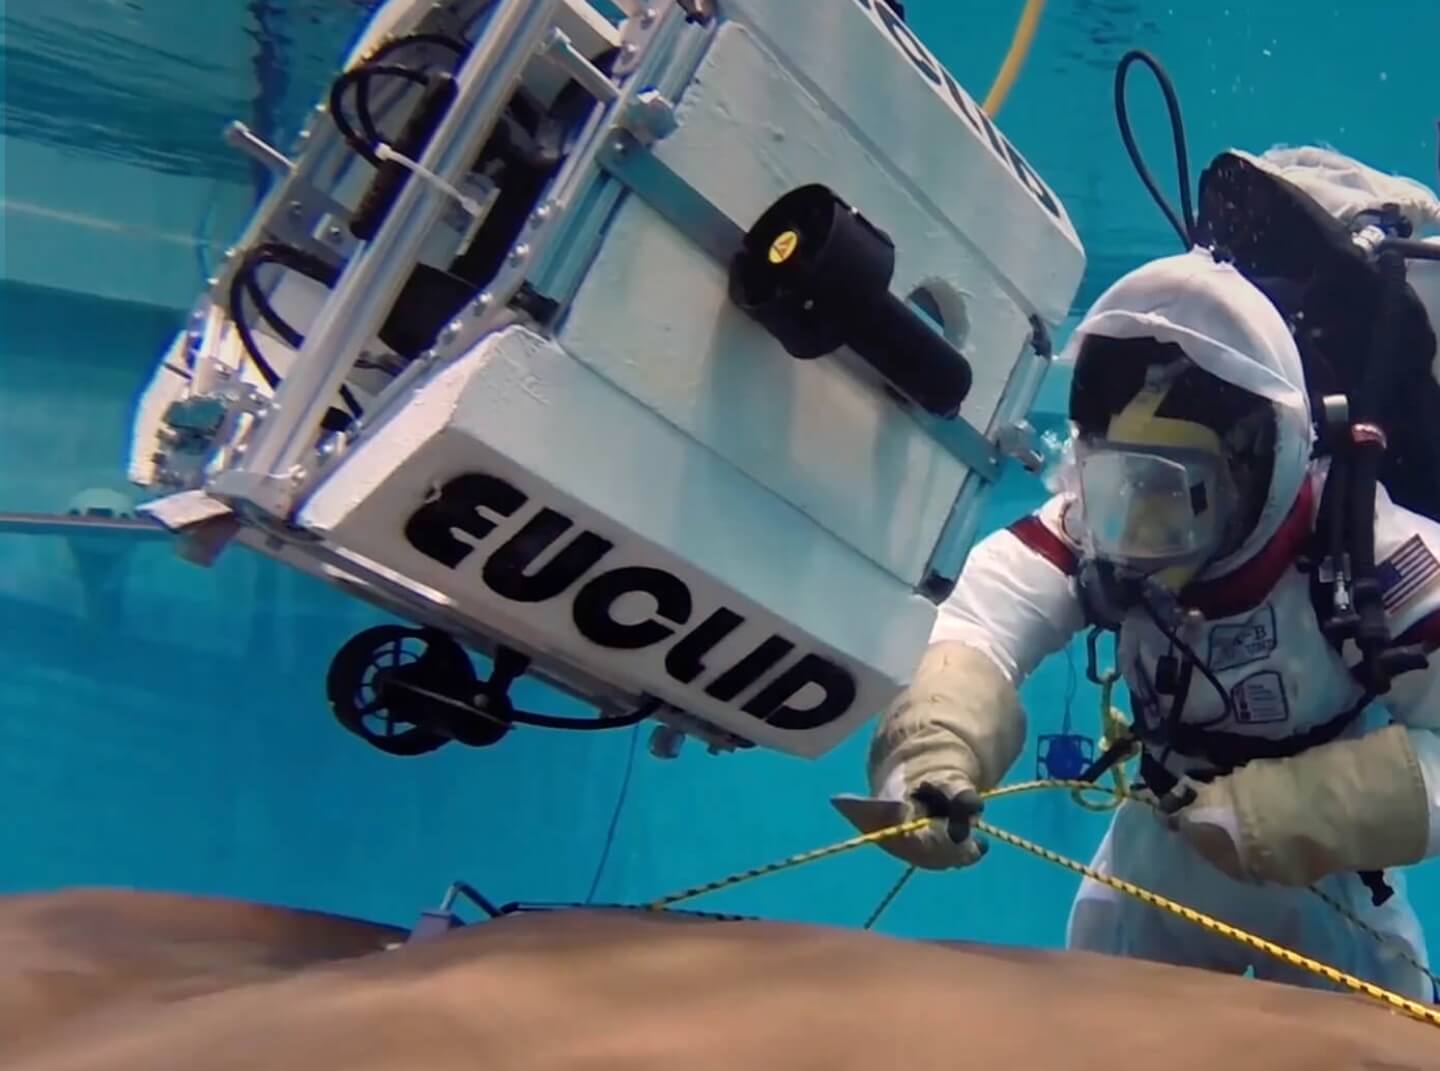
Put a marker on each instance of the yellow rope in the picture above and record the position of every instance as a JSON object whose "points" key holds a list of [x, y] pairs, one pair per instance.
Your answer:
{"points": [[1015, 58], [1412, 1008], [1400, 1003], [912, 826], [1365, 928], [1113, 727]]}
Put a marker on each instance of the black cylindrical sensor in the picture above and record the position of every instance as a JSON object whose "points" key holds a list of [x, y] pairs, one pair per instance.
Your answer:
{"points": [[816, 274]]}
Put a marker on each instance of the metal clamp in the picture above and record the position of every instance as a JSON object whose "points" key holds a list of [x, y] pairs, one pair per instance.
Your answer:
{"points": [[683, 206]]}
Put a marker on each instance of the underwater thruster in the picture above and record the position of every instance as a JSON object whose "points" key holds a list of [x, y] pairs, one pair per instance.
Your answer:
{"points": [[505, 351], [817, 274]]}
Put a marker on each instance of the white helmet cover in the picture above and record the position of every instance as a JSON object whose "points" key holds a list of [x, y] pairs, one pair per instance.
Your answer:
{"points": [[1231, 330]]}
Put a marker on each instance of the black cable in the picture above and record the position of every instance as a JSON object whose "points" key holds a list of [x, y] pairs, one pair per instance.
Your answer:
{"points": [[1194, 660], [541, 721], [614, 817], [549, 721], [361, 76], [479, 899], [362, 95], [1184, 228], [245, 282], [238, 284]]}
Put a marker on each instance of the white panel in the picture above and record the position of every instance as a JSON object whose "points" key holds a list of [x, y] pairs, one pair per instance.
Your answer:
{"points": [[527, 412], [922, 128], [654, 317]]}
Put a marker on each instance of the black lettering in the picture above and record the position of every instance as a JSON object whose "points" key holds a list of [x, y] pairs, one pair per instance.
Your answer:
{"points": [[837, 683], [592, 607], [1032, 180], [684, 662], [992, 134], [748, 670], [961, 101], [505, 570], [909, 43], [921, 59], [431, 528]]}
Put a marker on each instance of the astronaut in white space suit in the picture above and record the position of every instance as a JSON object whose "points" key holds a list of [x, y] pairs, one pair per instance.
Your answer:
{"points": [[1185, 519]]}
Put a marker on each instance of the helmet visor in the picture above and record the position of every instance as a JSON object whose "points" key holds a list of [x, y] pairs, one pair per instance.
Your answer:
{"points": [[1150, 509]]}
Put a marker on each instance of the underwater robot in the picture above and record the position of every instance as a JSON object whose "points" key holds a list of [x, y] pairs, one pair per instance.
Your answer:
{"points": [[666, 358]]}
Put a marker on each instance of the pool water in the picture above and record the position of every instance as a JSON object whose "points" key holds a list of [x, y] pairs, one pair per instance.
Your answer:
{"points": [[163, 726]]}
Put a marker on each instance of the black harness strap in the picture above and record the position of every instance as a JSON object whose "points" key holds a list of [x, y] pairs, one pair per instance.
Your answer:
{"points": [[1229, 751]]}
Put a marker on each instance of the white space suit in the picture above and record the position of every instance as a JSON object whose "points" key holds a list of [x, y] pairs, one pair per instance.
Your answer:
{"points": [[1354, 795]]}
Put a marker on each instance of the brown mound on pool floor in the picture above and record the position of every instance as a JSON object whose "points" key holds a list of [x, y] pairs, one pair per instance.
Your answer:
{"points": [[123, 981]]}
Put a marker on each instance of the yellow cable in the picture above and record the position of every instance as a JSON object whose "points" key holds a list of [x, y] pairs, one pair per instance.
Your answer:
{"points": [[1365, 928], [1400, 1003], [912, 826], [1015, 58], [1412, 1008], [1113, 727]]}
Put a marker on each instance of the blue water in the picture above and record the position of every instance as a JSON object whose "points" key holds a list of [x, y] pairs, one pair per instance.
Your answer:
{"points": [[163, 726]]}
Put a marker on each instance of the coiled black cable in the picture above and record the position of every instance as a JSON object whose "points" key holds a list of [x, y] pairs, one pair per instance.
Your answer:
{"points": [[361, 77], [245, 281]]}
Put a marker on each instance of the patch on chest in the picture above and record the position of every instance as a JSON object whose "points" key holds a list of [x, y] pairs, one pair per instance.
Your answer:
{"points": [[1260, 699], [1243, 642]]}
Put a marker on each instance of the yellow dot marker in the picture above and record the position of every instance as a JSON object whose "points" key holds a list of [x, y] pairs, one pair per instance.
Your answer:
{"points": [[783, 245]]}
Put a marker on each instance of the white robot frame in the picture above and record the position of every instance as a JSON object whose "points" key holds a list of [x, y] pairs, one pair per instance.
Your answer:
{"points": [[598, 378]]}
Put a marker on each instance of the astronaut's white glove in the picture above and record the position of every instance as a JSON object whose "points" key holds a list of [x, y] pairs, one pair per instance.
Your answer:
{"points": [[953, 733], [1350, 805]]}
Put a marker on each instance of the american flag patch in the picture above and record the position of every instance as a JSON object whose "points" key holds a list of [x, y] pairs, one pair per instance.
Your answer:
{"points": [[1405, 573]]}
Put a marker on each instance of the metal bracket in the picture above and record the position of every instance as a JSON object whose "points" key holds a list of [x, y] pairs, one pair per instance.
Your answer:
{"points": [[964, 443], [1019, 441], [701, 11], [67, 524], [683, 206], [1013, 437], [625, 156], [441, 920]]}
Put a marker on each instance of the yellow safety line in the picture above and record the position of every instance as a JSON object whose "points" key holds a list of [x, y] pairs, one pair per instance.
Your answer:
{"points": [[1403, 1004], [1400, 1003], [912, 826], [1015, 58], [1363, 926]]}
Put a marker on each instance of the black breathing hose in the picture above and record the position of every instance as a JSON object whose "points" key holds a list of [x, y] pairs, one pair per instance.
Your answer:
{"points": [[1184, 227]]}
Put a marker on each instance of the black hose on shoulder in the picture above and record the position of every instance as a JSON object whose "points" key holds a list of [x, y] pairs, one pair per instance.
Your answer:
{"points": [[1411, 248]]}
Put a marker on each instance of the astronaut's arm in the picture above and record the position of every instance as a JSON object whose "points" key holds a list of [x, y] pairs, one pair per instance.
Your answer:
{"points": [[1365, 803], [960, 724]]}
